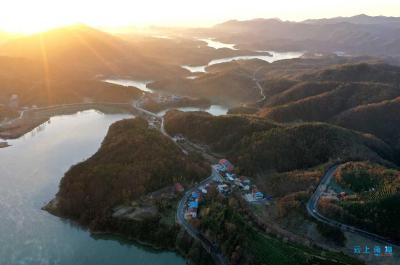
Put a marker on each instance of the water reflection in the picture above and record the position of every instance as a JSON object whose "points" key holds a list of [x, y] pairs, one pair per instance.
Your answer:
{"points": [[217, 44], [216, 110], [30, 172], [276, 56], [141, 84]]}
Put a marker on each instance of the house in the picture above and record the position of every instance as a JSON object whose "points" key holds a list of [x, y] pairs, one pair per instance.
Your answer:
{"points": [[179, 188], [259, 195], [193, 212], [244, 180], [226, 165], [179, 138], [192, 209], [222, 188], [195, 195], [193, 205], [246, 188], [230, 176]]}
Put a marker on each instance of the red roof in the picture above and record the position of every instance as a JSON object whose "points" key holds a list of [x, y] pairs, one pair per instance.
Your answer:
{"points": [[179, 187], [228, 165]]}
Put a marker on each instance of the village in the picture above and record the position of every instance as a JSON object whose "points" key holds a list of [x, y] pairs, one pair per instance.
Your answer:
{"points": [[225, 181]]}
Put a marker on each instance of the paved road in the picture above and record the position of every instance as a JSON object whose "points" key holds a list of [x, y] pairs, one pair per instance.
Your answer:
{"points": [[312, 209], [180, 217], [255, 79], [180, 212], [160, 119]]}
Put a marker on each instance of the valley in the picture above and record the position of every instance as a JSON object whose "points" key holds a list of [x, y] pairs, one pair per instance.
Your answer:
{"points": [[248, 142]]}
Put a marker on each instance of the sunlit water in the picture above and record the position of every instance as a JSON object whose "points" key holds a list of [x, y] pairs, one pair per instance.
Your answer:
{"points": [[216, 110], [30, 171], [276, 56], [218, 45], [141, 84]]}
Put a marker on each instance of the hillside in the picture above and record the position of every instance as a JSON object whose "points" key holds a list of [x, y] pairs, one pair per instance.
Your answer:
{"points": [[83, 52], [258, 145], [371, 200], [381, 119], [224, 221], [131, 162], [25, 80], [357, 35], [325, 105], [229, 87], [222, 133], [359, 72], [6, 112], [180, 50], [307, 145]]}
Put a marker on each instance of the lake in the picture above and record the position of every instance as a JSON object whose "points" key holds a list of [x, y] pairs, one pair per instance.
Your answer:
{"points": [[216, 110], [276, 56], [141, 84], [30, 171], [217, 44]]}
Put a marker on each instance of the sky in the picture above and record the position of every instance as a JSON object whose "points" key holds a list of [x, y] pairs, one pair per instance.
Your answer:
{"points": [[35, 15]]}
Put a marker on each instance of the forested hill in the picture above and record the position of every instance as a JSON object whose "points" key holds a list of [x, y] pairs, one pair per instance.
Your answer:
{"points": [[133, 160], [260, 145]]}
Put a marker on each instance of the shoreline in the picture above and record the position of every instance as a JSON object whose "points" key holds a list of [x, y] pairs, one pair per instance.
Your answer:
{"points": [[4, 144], [110, 234], [35, 117]]}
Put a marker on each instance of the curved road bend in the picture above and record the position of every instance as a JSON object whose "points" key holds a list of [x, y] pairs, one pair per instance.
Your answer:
{"points": [[162, 128], [312, 209]]}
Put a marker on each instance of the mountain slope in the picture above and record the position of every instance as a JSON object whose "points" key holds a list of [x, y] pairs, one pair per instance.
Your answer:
{"points": [[82, 51], [360, 35], [381, 119], [259, 146], [132, 161]]}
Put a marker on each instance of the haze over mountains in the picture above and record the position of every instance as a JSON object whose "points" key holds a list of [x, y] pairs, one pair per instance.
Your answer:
{"points": [[336, 101], [358, 35]]}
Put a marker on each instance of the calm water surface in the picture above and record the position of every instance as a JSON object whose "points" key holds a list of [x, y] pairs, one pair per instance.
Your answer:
{"points": [[276, 56], [217, 44], [141, 84], [216, 110], [30, 171]]}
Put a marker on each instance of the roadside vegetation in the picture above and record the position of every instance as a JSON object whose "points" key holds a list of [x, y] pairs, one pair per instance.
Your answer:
{"points": [[224, 222], [371, 201]]}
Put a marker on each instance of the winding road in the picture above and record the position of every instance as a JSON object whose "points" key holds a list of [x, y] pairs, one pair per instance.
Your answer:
{"points": [[180, 212], [312, 209], [263, 97], [180, 217]]}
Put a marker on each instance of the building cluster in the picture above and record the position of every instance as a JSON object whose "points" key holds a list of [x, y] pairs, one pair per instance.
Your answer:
{"points": [[228, 181], [225, 181], [179, 138], [159, 98], [333, 195]]}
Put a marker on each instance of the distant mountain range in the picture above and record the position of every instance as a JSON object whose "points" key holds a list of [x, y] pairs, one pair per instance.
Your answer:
{"points": [[359, 19], [357, 35]]}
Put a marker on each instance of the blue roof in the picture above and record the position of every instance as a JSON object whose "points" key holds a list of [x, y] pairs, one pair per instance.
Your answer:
{"points": [[195, 195], [259, 194], [194, 204]]}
